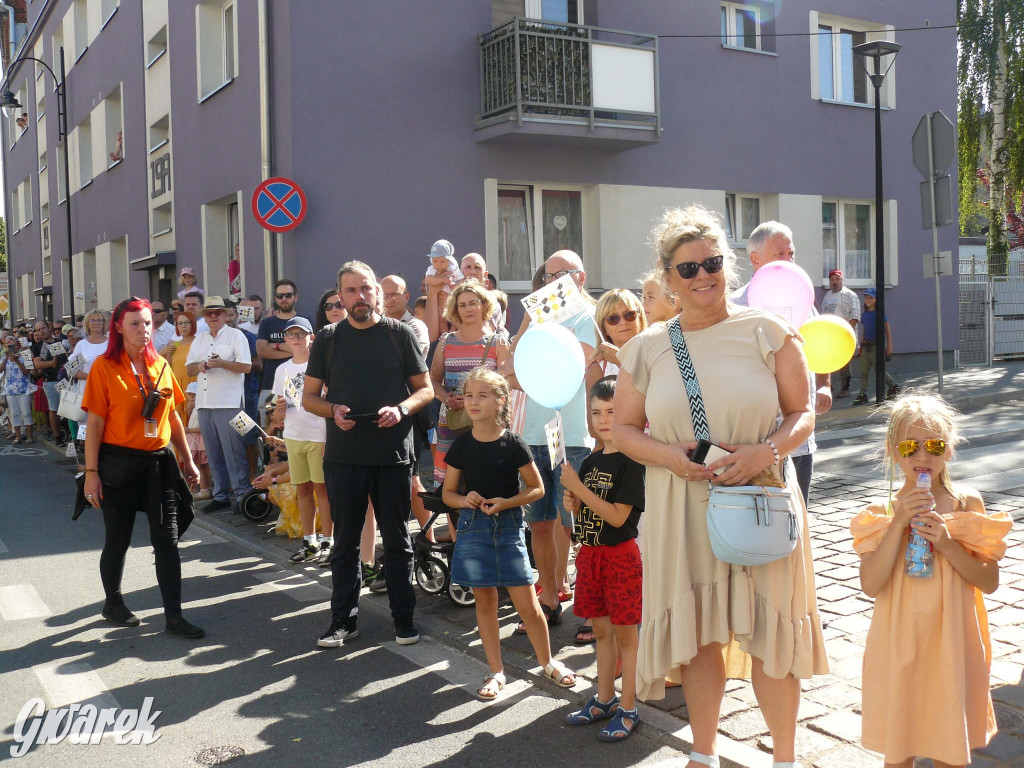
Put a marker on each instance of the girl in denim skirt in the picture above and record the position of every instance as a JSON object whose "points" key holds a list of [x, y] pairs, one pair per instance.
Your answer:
{"points": [[484, 469]]}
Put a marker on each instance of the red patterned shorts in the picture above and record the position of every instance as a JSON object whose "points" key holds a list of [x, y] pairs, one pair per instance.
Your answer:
{"points": [[609, 582]]}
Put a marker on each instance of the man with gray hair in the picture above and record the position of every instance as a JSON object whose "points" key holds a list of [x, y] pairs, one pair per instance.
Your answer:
{"points": [[773, 241], [376, 378]]}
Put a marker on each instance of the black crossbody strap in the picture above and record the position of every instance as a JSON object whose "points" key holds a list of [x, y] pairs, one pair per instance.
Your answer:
{"points": [[697, 414]]}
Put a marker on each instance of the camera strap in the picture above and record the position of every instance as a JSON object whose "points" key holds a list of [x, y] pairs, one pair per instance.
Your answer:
{"points": [[150, 386]]}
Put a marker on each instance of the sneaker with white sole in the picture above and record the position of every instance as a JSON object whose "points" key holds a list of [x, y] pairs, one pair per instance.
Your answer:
{"points": [[405, 633], [339, 633], [305, 553], [324, 558]]}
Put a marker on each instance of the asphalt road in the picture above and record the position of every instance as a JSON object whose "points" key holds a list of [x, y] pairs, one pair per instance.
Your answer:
{"points": [[256, 683]]}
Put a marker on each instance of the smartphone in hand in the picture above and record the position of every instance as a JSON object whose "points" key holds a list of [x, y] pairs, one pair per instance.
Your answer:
{"points": [[707, 452]]}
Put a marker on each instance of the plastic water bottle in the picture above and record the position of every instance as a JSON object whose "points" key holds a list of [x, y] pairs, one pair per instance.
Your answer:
{"points": [[918, 561]]}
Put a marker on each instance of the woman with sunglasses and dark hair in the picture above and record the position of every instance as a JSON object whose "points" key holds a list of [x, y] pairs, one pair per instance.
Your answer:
{"points": [[704, 619], [130, 398], [329, 310]]}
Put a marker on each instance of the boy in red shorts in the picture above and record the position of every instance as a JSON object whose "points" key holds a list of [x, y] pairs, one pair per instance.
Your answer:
{"points": [[606, 505]]}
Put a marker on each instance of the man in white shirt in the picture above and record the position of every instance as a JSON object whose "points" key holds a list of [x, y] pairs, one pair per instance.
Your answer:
{"points": [[163, 331], [843, 302], [772, 241], [396, 306], [219, 359], [256, 302], [194, 303]]}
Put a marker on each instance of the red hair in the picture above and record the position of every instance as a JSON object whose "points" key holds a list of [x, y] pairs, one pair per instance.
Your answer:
{"points": [[191, 318], [115, 344]]}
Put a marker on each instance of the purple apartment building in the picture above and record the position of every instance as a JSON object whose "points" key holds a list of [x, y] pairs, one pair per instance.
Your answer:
{"points": [[512, 128]]}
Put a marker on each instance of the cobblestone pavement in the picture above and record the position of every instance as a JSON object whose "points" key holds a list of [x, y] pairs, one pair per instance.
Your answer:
{"points": [[829, 720]]}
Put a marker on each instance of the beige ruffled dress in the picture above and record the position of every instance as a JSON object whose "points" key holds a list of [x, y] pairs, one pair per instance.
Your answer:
{"points": [[690, 597]]}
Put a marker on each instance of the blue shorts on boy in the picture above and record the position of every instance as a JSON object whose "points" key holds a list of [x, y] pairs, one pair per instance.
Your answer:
{"points": [[609, 573], [490, 550]]}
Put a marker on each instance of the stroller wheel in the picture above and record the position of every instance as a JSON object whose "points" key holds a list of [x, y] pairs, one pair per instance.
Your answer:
{"points": [[431, 575], [255, 505], [461, 595]]}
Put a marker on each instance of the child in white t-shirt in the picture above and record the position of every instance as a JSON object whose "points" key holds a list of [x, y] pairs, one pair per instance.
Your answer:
{"points": [[304, 436]]}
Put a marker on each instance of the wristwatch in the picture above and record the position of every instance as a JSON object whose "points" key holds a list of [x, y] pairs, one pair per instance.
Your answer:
{"points": [[404, 411]]}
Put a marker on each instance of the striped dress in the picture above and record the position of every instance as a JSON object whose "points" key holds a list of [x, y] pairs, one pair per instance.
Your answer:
{"points": [[460, 358]]}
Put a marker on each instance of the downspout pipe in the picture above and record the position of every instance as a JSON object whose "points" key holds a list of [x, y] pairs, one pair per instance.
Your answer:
{"points": [[11, 31], [271, 257]]}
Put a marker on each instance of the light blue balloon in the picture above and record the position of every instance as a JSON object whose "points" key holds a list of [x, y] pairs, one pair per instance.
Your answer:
{"points": [[549, 364]]}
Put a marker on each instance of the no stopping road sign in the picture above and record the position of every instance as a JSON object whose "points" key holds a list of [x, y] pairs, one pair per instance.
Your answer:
{"points": [[279, 204]]}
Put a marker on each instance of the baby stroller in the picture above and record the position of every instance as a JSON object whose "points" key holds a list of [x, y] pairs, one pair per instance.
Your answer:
{"points": [[433, 559], [255, 505]]}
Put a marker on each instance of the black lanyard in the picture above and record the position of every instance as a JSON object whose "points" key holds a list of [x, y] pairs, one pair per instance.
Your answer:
{"points": [[149, 382]]}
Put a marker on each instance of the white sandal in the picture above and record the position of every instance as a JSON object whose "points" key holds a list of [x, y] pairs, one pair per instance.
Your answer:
{"points": [[702, 759], [493, 685], [557, 672]]}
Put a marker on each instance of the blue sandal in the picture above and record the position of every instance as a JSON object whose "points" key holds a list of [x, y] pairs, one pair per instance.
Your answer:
{"points": [[593, 711], [621, 726]]}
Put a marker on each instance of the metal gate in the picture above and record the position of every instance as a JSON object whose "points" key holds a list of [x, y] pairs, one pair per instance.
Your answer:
{"points": [[991, 313]]}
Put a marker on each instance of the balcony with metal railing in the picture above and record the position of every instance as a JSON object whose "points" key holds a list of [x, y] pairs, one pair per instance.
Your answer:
{"points": [[551, 83]]}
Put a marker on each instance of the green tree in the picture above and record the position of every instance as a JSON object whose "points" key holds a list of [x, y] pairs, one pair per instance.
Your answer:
{"points": [[990, 84]]}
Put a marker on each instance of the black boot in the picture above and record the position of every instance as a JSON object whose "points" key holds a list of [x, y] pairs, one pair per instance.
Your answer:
{"points": [[177, 625], [116, 612]]}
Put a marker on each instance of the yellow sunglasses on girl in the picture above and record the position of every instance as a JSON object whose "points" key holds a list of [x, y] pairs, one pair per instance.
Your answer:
{"points": [[935, 446]]}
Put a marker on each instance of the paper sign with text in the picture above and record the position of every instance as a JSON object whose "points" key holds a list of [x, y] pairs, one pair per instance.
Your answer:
{"points": [[56, 349], [246, 314], [73, 366]]}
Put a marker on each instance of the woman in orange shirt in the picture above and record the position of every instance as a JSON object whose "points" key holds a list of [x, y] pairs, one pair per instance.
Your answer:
{"points": [[927, 656], [130, 398]]}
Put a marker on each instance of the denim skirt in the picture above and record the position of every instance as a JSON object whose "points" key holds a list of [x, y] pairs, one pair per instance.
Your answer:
{"points": [[490, 550]]}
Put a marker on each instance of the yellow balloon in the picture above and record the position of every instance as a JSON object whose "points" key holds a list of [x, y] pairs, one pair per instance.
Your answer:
{"points": [[829, 343]]}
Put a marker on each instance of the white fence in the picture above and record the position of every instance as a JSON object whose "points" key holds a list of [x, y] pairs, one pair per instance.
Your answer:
{"points": [[991, 312]]}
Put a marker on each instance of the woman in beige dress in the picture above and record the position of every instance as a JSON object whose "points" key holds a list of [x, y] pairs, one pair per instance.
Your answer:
{"points": [[703, 619]]}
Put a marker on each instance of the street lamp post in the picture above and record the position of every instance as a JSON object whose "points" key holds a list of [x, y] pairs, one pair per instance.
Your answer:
{"points": [[10, 105], [875, 51]]}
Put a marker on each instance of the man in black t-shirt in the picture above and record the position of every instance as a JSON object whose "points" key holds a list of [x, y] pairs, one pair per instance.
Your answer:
{"points": [[47, 365], [270, 344], [375, 378]]}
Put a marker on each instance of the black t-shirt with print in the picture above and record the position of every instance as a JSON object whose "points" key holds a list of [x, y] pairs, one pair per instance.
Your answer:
{"points": [[490, 468], [369, 370], [41, 349], [617, 479]]}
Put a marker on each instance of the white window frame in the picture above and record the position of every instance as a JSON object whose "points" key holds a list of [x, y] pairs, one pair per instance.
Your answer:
{"points": [[732, 37], [535, 10], [535, 213], [215, 69], [873, 32], [841, 203], [734, 214]]}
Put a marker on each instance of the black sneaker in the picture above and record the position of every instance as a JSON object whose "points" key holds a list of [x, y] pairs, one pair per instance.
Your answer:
{"points": [[305, 553], [324, 556], [370, 574], [216, 505], [890, 394], [405, 633], [379, 584], [860, 399], [338, 633], [118, 613]]}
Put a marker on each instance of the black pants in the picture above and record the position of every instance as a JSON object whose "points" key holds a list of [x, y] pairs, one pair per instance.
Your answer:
{"points": [[120, 506], [349, 487], [804, 466]]}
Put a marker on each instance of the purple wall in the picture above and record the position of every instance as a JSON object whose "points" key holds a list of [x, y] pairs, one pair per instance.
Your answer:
{"points": [[377, 114]]}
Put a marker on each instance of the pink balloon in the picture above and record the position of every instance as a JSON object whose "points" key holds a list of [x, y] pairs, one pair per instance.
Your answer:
{"points": [[783, 288]]}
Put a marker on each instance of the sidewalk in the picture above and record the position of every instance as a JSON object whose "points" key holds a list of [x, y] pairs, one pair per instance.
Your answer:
{"points": [[965, 388], [829, 731]]}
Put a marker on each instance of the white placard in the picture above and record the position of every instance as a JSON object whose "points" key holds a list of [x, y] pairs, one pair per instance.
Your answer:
{"points": [[556, 302], [293, 389], [246, 314], [556, 440], [26, 357], [242, 424], [73, 366], [57, 349], [81, 431]]}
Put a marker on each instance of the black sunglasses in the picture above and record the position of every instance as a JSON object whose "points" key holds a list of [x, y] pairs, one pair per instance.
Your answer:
{"points": [[284, 295], [159, 311], [329, 305], [689, 269], [629, 317]]}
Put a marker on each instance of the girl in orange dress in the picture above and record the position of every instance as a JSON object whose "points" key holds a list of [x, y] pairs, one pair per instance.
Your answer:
{"points": [[927, 657]]}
